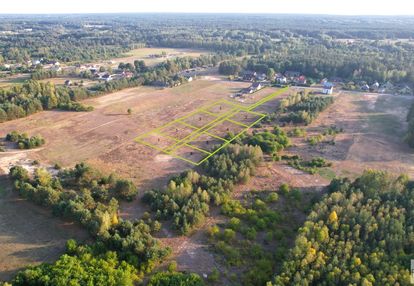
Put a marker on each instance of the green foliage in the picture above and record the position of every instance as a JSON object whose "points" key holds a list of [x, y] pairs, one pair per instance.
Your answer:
{"points": [[303, 107], [24, 141], [314, 140], [255, 224], [74, 106], [311, 166], [43, 74], [172, 266], [76, 194], [214, 276], [82, 265], [332, 131], [297, 132], [175, 279], [229, 68], [187, 197], [269, 142], [361, 233], [284, 188], [125, 189], [34, 96]]}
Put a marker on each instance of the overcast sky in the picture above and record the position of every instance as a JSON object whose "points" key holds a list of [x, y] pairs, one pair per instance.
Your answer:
{"points": [[338, 7]]}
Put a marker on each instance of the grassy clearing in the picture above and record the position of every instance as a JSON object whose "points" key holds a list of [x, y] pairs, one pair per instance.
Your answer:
{"points": [[15, 79], [144, 54], [327, 173], [388, 124]]}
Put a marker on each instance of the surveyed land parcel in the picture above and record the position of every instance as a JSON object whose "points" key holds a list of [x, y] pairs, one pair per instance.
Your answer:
{"points": [[202, 133]]}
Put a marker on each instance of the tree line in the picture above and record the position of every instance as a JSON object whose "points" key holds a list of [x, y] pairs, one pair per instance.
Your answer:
{"points": [[34, 96]]}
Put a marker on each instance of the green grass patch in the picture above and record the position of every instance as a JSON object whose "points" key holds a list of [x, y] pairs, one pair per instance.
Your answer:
{"points": [[327, 173], [386, 124]]}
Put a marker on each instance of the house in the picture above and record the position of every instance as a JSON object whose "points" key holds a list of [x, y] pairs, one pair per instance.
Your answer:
{"points": [[292, 74], [261, 77], [280, 78], [300, 80], [375, 86], [386, 87], [249, 75], [127, 74], [328, 88], [107, 77], [365, 87], [256, 86]]}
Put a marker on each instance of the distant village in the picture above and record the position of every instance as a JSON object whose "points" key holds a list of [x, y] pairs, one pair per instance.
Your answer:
{"points": [[104, 73], [327, 86]]}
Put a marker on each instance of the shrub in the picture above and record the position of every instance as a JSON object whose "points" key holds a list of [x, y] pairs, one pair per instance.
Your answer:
{"points": [[125, 189], [284, 188], [172, 267], [24, 141], [272, 197], [175, 279]]}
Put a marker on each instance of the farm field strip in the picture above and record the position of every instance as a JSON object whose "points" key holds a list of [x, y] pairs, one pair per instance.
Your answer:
{"points": [[178, 138]]}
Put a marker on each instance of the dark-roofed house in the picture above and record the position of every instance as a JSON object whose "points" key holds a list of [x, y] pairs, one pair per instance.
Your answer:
{"points": [[256, 86], [249, 75], [292, 74]]}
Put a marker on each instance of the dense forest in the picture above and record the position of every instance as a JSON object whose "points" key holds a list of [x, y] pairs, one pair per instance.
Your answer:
{"points": [[361, 233], [353, 48], [84, 38]]}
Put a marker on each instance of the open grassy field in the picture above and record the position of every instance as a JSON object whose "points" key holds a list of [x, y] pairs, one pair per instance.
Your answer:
{"points": [[105, 135], [374, 127], [61, 80], [145, 55], [14, 79]]}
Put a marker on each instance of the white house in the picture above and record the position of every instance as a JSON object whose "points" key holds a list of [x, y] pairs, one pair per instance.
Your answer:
{"points": [[327, 88], [281, 79]]}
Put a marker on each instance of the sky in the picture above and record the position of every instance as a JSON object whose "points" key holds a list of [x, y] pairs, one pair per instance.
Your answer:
{"points": [[336, 7]]}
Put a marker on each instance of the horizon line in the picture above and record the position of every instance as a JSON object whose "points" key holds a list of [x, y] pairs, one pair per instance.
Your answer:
{"points": [[203, 13]]}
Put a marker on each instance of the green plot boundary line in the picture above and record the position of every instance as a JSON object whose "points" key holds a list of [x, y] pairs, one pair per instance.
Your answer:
{"points": [[198, 131]]}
